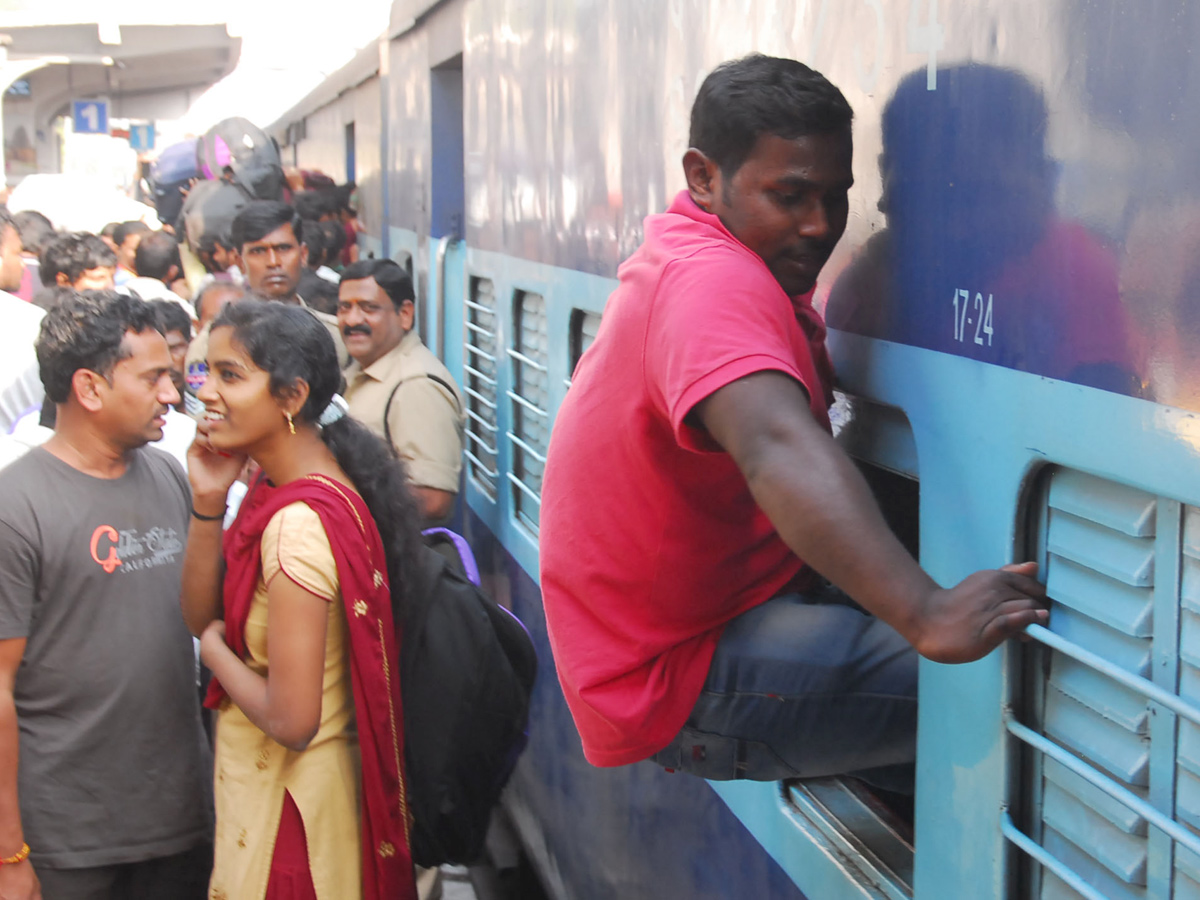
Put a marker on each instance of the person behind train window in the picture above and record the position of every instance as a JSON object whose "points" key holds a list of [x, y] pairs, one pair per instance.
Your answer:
{"points": [[396, 386], [111, 787], [693, 490], [158, 265], [975, 261], [126, 239], [36, 232], [78, 260]]}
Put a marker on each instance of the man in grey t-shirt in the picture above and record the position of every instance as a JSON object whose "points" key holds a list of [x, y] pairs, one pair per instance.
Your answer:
{"points": [[111, 788]]}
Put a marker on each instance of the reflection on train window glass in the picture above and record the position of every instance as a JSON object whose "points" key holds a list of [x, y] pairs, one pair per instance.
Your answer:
{"points": [[479, 375], [1106, 771], [530, 399], [584, 326]]}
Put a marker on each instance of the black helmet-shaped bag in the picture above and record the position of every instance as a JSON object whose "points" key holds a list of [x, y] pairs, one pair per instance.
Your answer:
{"points": [[208, 213], [245, 149]]}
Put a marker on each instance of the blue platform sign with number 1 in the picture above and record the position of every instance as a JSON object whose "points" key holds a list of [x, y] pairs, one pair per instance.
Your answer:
{"points": [[141, 137], [90, 116]]}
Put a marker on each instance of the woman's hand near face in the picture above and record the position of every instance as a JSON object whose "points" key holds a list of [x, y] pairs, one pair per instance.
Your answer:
{"points": [[210, 471]]}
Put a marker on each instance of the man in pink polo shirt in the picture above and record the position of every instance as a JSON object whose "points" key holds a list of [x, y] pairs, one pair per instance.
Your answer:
{"points": [[693, 489]]}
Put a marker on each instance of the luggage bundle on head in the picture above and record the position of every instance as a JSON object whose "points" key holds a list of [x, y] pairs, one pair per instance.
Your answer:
{"points": [[250, 155], [467, 668], [170, 176], [208, 213]]}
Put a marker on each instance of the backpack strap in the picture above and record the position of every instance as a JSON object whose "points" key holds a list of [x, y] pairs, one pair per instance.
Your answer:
{"points": [[387, 408], [464, 551]]}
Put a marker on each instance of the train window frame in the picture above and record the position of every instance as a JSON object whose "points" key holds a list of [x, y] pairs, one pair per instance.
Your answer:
{"points": [[529, 397], [1106, 547], [848, 815]]}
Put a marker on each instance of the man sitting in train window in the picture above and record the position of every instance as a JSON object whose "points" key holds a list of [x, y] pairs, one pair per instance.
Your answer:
{"points": [[396, 386], [975, 260], [693, 490]]}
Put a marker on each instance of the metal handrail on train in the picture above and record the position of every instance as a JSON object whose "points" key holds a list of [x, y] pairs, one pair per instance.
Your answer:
{"points": [[1093, 776], [440, 296]]}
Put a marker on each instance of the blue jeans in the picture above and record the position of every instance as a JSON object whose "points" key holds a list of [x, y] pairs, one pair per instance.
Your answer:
{"points": [[804, 686]]}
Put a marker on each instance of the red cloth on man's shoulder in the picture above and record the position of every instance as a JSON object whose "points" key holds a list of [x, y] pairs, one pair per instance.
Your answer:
{"points": [[650, 540]]}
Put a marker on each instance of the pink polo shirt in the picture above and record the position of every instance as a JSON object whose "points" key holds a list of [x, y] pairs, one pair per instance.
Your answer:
{"points": [[650, 539]]}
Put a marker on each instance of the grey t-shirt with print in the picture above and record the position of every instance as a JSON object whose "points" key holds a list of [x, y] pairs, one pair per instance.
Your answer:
{"points": [[113, 764]]}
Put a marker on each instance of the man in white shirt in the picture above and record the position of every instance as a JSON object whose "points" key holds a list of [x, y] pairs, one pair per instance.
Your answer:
{"points": [[20, 385], [157, 263]]}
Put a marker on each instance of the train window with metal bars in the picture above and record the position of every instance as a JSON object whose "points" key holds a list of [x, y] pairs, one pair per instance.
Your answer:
{"points": [[479, 375], [530, 399], [584, 326], [1109, 731]]}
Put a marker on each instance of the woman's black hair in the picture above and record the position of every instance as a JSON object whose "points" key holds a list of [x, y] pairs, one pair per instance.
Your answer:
{"points": [[289, 343]]}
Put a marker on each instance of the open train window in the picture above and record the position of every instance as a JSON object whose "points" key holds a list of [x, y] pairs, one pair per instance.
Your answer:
{"points": [[584, 325], [530, 398], [875, 829]]}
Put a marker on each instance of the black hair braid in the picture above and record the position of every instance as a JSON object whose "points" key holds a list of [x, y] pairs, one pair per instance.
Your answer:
{"points": [[372, 464]]}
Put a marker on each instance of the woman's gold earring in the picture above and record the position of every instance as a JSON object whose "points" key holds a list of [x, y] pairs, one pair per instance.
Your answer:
{"points": [[291, 424]]}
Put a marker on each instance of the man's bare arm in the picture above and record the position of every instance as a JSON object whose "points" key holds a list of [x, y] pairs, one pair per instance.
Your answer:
{"points": [[17, 882], [824, 511], [435, 504]]}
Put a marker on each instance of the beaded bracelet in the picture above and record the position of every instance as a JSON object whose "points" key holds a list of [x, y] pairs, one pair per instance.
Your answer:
{"points": [[18, 857]]}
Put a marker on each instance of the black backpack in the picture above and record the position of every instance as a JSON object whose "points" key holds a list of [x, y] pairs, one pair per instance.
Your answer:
{"points": [[467, 667]]}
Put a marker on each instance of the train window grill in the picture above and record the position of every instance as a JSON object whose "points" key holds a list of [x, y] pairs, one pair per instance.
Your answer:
{"points": [[530, 398], [1112, 789], [480, 371], [584, 326]]}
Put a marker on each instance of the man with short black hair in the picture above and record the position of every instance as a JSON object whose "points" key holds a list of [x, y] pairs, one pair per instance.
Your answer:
{"points": [[158, 265], [693, 491], [396, 386], [111, 788], [78, 260], [270, 241], [126, 239]]}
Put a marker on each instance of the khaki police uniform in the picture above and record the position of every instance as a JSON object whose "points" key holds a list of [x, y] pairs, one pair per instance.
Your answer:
{"points": [[424, 417]]}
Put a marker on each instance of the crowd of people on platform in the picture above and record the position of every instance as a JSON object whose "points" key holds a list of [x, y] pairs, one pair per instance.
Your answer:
{"points": [[181, 423]]}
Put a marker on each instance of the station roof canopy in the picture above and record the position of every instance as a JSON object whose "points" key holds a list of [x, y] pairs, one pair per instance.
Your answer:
{"points": [[145, 70]]}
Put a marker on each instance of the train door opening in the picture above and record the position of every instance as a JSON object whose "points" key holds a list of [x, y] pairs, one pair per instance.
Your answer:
{"points": [[447, 200]]}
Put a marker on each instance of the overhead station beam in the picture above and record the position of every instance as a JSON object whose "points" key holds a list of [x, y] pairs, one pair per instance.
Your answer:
{"points": [[143, 71]]}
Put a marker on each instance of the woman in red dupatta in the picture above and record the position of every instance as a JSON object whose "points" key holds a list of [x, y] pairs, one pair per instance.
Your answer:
{"points": [[324, 536]]}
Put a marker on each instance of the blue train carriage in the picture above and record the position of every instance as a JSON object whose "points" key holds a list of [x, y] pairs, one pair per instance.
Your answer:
{"points": [[1009, 312]]}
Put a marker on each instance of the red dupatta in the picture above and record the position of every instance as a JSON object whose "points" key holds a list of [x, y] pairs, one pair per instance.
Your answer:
{"points": [[362, 574]]}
